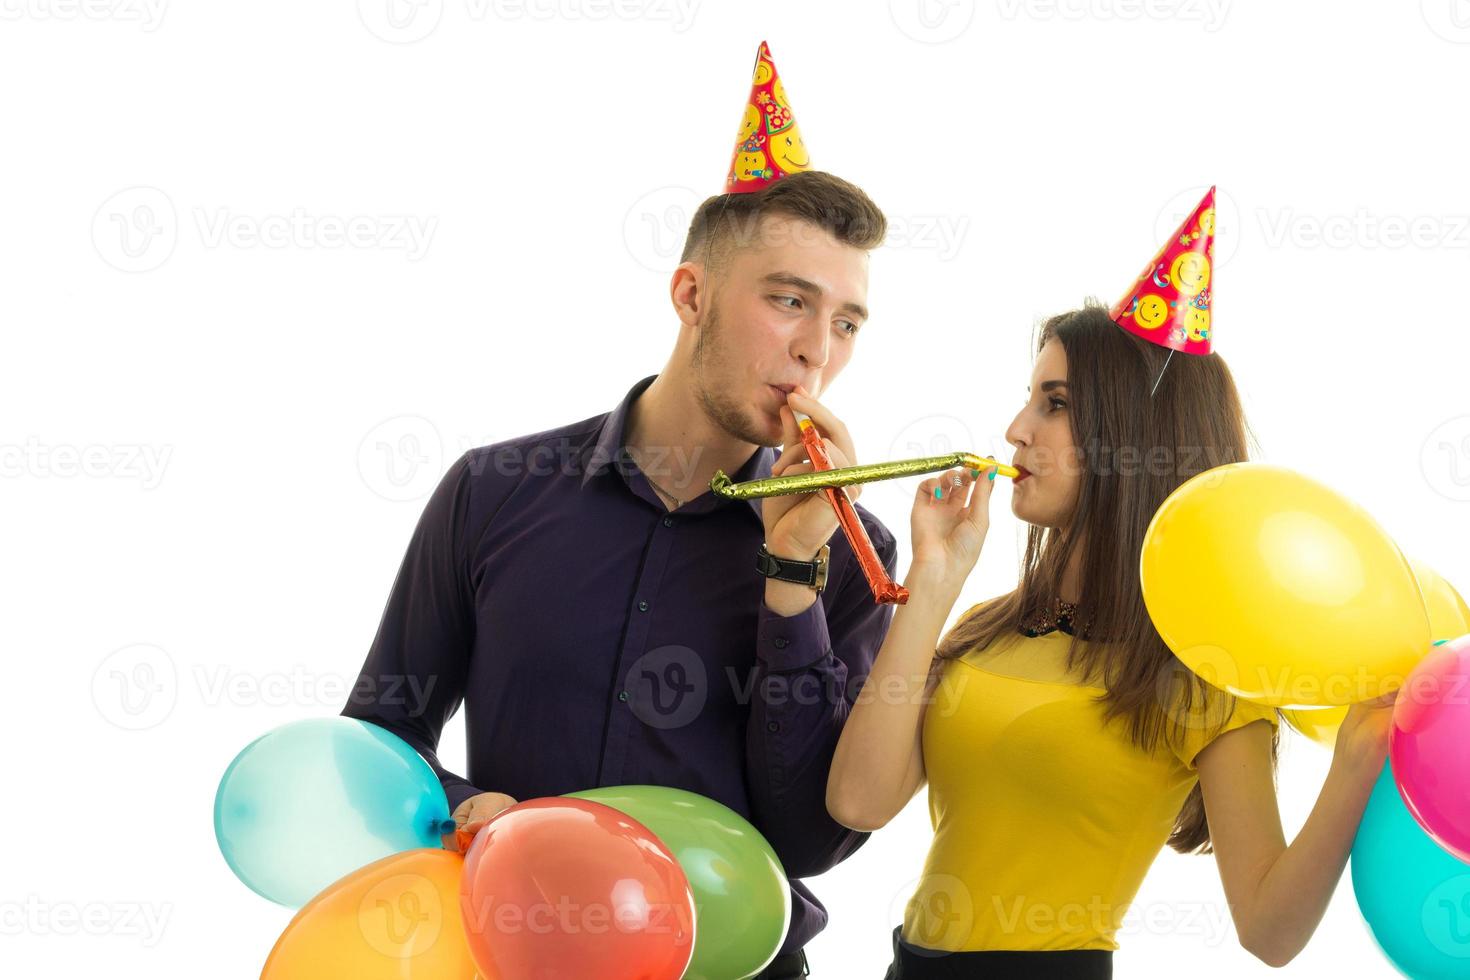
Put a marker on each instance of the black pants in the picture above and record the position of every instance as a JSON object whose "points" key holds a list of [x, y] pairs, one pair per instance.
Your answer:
{"points": [[787, 966], [912, 962]]}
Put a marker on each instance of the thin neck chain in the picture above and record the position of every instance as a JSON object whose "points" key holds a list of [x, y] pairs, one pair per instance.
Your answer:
{"points": [[678, 502]]}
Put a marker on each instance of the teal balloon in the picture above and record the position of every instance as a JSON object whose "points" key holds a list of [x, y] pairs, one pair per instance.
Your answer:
{"points": [[1413, 893], [312, 801], [742, 900]]}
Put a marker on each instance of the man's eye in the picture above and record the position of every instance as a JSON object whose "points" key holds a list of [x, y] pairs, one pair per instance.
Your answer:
{"points": [[796, 303], [853, 327]]}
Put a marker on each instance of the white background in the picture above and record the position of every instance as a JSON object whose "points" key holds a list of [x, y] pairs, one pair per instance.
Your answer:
{"points": [[220, 422]]}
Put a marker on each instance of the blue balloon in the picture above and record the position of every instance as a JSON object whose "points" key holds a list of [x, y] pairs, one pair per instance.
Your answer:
{"points": [[312, 801], [1414, 894]]}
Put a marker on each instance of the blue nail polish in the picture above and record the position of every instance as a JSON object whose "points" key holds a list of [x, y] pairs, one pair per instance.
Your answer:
{"points": [[938, 494], [992, 476], [975, 473]]}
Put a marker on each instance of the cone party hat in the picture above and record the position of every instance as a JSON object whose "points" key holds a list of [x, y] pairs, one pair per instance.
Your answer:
{"points": [[768, 146], [1169, 305]]}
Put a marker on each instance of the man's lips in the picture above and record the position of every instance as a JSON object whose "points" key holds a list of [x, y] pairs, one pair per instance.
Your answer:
{"points": [[782, 390]]}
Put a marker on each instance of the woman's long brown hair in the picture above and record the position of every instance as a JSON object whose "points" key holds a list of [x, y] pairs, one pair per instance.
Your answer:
{"points": [[1133, 450]]}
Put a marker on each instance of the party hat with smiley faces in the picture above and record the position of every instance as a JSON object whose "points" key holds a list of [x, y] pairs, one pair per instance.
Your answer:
{"points": [[1169, 305], [768, 146]]}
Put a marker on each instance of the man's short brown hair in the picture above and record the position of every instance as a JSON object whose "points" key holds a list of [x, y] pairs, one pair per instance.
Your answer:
{"points": [[726, 222]]}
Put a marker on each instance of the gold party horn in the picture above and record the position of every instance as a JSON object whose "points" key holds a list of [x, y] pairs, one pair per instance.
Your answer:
{"points": [[776, 486]]}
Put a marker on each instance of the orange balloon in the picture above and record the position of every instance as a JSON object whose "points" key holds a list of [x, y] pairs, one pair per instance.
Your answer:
{"points": [[394, 919], [564, 887]]}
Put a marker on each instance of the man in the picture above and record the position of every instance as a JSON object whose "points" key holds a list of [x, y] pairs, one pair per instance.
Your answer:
{"points": [[599, 610]]}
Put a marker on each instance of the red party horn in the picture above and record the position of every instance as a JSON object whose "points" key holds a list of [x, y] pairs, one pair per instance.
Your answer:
{"points": [[884, 588]]}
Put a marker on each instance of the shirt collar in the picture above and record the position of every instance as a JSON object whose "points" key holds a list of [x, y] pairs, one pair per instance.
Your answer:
{"points": [[608, 447]]}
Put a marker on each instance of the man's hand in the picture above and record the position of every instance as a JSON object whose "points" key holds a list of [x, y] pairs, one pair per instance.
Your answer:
{"points": [[797, 525], [471, 815]]}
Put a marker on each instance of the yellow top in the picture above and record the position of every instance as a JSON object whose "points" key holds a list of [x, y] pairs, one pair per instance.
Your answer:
{"points": [[1045, 821]]}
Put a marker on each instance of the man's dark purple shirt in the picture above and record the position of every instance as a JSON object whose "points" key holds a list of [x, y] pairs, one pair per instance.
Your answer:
{"points": [[598, 639]]}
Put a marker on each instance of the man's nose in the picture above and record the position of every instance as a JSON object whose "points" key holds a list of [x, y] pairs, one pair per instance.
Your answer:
{"points": [[811, 345]]}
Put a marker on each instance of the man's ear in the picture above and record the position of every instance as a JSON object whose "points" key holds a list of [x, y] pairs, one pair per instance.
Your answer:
{"points": [[688, 292]]}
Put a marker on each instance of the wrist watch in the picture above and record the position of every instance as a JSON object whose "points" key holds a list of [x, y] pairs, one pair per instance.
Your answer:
{"points": [[812, 574]]}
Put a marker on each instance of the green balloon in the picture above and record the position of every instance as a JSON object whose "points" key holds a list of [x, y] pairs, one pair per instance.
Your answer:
{"points": [[742, 901]]}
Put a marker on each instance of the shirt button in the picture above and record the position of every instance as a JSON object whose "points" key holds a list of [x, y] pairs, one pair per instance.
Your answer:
{"points": [[668, 522], [643, 605], [773, 726], [780, 643], [622, 695]]}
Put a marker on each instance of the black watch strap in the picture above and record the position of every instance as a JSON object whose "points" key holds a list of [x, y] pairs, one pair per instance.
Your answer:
{"points": [[812, 574]]}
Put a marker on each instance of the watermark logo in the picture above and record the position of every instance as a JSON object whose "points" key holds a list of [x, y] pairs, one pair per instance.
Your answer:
{"points": [[941, 908], [1363, 229], [407, 21], [1226, 220], [932, 21], [147, 14], [1444, 458], [401, 916], [400, 21], [136, 687], [656, 225], [1448, 19], [136, 229], [34, 916], [1445, 916], [931, 435], [127, 461], [401, 458], [667, 687]]}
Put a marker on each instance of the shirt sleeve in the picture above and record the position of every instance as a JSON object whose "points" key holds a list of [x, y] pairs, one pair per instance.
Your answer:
{"points": [[802, 697], [1202, 727], [412, 681]]}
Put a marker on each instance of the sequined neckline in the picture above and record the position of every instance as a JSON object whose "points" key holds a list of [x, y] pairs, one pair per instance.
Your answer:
{"points": [[1061, 617]]}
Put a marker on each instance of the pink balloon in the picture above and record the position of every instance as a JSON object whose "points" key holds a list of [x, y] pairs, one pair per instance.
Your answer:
{"points": [[1429, 747]]}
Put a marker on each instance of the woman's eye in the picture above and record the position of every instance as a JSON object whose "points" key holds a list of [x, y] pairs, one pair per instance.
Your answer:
{"points": [[1057, 403]]}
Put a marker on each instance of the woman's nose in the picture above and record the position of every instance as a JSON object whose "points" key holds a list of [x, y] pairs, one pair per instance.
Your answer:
{"points": [[1015, 433]]}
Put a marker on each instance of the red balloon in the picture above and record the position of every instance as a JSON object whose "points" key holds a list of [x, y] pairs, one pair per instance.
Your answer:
{"points": [[560, 887]]}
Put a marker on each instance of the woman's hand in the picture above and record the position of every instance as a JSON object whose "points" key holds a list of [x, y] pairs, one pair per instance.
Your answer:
{"points": [[1362, 738], [948, 531], [797, 525]]}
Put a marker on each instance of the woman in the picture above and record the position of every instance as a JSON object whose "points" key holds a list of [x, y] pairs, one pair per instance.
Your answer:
{"points": [[1063, 743]]}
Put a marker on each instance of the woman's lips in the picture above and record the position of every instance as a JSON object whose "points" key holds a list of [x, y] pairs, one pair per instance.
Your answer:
{"points": [[1025, 475]]}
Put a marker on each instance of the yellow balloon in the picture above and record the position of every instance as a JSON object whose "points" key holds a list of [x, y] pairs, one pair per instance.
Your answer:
{"points": [[1449, 617], [1318, 724], [1275, 588], [394, 919]]}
